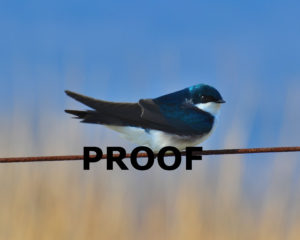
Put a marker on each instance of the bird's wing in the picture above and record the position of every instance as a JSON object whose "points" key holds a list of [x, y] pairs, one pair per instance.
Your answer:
{"points": [[145, 114], [183, 119], [105, 112]]}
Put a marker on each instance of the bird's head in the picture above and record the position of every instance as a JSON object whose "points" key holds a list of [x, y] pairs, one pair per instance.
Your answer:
{"points": [[206, 98]]}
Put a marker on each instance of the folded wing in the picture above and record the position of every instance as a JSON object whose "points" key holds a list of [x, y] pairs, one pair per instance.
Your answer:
{"points": [[145, 114], [104, 112]]}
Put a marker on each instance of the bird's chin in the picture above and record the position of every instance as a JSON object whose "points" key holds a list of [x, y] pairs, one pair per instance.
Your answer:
{"points": [[210, 107]]}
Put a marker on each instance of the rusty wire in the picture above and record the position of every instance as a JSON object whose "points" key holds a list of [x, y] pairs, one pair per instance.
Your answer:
{"points": [[142, 155]]}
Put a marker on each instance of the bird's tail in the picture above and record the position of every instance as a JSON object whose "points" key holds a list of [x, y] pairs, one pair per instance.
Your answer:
{"points": [[88, 116], [104, 112], [77, 114]]}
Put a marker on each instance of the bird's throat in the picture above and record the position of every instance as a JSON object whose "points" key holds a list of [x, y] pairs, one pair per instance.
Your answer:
{"points": [[210, 107]]}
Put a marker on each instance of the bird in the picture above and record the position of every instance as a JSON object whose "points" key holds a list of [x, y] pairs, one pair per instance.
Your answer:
{"points": [[180, 119]]}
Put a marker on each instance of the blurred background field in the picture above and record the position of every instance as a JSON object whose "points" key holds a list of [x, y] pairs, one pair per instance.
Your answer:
{"points": [[124, 51]]}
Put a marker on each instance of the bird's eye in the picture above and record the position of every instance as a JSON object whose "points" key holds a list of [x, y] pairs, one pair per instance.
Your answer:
{"points": [[206, 99]]}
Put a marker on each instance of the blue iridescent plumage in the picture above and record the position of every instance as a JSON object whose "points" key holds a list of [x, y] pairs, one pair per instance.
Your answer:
{"points": [[178, 108], [181, 118]]}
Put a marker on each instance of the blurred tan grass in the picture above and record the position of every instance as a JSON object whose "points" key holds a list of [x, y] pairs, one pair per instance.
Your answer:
{"points": [[61, 201]]}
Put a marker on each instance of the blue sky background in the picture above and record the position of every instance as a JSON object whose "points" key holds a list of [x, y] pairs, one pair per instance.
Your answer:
{"points": [[127, 50]]}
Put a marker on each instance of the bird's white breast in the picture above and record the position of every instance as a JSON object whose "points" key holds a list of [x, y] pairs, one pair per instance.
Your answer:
{"points": [[156, 139]]}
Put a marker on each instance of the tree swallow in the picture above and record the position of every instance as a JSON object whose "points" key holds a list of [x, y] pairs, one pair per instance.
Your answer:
{"points": [[180, 119]]}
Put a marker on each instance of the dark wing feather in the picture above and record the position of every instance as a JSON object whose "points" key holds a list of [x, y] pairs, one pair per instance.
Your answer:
{"points": [[111, 113], [146, 114], [180, 119], [153, 118]]}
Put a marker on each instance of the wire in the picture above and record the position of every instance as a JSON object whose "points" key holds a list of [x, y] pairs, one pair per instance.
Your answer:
{"points": [[142, 155]]}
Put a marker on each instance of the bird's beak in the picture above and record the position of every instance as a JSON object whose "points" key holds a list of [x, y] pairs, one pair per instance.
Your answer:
{"points": [[221, 101]]}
